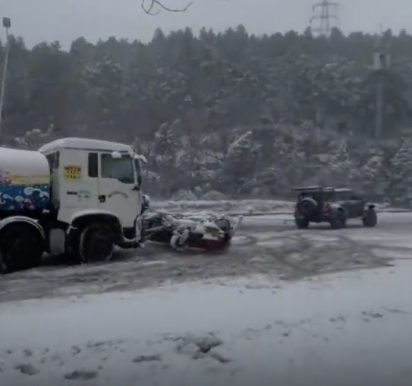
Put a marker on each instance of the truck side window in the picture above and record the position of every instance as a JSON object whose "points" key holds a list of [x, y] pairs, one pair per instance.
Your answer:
{"points": [[121, 169], [93, 165]]}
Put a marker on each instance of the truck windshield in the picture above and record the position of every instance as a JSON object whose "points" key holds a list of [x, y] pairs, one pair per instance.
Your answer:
{"points": [[118, 168]]}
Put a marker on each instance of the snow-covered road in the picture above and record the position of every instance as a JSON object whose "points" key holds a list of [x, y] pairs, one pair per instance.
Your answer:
{"points": [[341, 330], [223, 319], [269, 245]]}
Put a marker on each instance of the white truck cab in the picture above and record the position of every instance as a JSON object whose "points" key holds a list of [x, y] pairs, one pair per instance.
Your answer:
{"points": [[94, 174], [94, 201]]}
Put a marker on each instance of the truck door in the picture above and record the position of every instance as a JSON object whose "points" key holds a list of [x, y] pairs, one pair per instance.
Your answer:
{"points": [[78, 187], [118, 189]]}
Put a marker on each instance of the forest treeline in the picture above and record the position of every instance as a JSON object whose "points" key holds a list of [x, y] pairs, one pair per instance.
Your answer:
{"points": [[228, 112]]}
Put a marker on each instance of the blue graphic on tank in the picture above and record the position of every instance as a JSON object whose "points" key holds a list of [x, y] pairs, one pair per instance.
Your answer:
{"points": [[18, 193]]}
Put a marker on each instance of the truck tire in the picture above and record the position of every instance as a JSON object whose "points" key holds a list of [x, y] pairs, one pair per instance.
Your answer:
{"points": [[21, 248], [370, 218], [301, 222], [96, 243], [338, 220]]}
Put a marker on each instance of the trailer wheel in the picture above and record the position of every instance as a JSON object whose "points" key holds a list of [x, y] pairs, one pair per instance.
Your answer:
{"points": [[21, 248], [96, 243]]}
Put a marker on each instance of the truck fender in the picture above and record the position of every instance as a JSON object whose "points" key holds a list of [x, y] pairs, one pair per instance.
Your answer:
{"points": [[26, 220], [368, 207], [92, 214], [78, 220]]}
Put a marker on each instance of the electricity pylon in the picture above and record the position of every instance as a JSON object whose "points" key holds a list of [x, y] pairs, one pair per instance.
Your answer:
{"points": [[325, 13]]}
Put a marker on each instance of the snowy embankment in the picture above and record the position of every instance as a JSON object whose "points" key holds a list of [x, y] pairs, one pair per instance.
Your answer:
{"points": [[239, 207], [344, 329], [227, 206]]}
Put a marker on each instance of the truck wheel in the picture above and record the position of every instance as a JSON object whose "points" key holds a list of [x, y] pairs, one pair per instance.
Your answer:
{"points": [[370, 218], [301, 222], [338, 220], [96, 243], [21, 248]]}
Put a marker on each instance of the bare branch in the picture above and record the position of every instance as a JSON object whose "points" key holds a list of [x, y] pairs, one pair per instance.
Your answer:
{"points": [[148, 5]]}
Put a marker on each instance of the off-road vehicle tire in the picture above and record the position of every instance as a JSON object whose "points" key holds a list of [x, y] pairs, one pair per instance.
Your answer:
{"points": [[96, 243], [370, 218], [21, 248], [338, 220], [301, 222]]}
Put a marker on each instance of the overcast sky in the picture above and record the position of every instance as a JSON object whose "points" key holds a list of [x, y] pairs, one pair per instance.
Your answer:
{"points": [[65, 20]]}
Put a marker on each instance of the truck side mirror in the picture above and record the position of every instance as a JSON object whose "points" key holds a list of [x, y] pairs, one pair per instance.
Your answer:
{"points": [[140, 157], [145, 203]]}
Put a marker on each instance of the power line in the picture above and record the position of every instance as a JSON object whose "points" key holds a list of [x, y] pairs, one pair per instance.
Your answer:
{"points": [[325, 16]]}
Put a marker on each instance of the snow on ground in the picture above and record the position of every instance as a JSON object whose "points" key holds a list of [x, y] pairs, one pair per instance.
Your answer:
{"points": [[233, 206], [154, 317], [343, 329]]}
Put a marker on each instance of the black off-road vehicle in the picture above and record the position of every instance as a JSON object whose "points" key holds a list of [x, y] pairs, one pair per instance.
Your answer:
{"points": [[333, 205]]}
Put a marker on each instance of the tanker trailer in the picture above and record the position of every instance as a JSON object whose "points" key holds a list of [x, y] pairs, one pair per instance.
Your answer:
{"points": [[24, 196], [24, 182]]}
